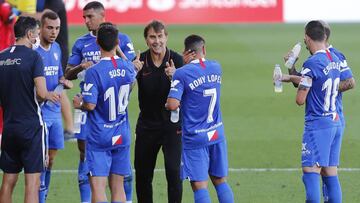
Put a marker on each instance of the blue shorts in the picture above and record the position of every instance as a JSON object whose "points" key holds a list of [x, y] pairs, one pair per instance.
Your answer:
{"points": [[82, 119], [198, 164], [55, 133], [321, 147], [104, 163]]}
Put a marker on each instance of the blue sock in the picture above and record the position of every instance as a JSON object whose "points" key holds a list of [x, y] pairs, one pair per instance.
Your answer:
{"points": [[84, 185], [202, 196], [47, 181], [128, 187], [42, 191], [334, 189], [325, 191], [224, 193], [312, 182]]}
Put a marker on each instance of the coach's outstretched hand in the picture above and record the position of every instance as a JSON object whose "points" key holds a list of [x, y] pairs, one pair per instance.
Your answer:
{"points": [[170, 69], [137, 63]]}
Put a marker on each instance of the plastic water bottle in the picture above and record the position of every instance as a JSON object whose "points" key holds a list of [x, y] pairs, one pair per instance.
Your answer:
{"points": [[293, 55], [78, 120], [277, 79], [174, 117], [58, 90]]}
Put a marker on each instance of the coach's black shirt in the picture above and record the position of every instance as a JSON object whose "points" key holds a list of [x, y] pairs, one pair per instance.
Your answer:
{"points": [[19, 65], [154, 87]]}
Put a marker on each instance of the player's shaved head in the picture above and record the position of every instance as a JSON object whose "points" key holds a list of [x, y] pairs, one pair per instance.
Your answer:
{"points": [[94, 5], [194, 43], [315, 30], [157, 26]]}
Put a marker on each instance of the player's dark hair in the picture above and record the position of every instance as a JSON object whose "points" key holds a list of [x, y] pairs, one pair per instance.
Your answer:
{"points": [[315, 30], [107, 36], [50, 15], [327, 29], [157, 26], [23, 25], [94, 5], [194, 43]]}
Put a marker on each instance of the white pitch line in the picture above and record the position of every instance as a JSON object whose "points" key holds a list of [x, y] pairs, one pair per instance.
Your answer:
{"points": [[236, 170]]}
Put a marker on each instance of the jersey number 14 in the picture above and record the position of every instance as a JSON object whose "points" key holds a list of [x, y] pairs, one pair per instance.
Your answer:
{"points": [[123, 101]]}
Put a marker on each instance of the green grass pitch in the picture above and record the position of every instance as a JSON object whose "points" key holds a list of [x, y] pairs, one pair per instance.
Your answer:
{"points": [[263, 129]]}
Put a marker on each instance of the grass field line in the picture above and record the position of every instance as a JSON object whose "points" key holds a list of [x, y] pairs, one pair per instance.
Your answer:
{"points": [[235, 170]]}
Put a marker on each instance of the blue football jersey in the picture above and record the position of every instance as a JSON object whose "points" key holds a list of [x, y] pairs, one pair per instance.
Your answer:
{"points": [[19, 65], [52, 72], [323, 68], [107, 84], [345, 74], [197, 86]]}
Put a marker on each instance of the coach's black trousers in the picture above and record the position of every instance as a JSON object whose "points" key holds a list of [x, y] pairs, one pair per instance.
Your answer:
{"points": [[147, 145]]}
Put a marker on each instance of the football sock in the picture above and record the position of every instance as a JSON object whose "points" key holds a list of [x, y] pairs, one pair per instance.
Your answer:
{"points": [[311, 182], [202, 196], [128, 187], [84, 185], [333, 188], [42, 191], [325, 191], [224, 193]]}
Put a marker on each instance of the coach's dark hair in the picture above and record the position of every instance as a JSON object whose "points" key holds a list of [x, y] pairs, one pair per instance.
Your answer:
{"points": [[23, 25], [194, 42], [107, 36], [315, 30], [94, 5], [48, 14], [157, 26]]}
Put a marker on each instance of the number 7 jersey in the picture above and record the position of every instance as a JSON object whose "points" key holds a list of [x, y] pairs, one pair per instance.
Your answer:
{"points": [[107, 85], [323, 67], [197, 86]]}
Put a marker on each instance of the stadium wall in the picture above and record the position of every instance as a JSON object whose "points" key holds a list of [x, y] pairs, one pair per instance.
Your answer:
{"points": [[219, 11]]}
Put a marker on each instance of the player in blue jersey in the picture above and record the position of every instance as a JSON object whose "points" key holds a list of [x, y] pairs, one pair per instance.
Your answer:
{"points": [[50, 52], [106, 96], [346, 82], [195, 87], [86, 52], [22, 86], [318, 87]]}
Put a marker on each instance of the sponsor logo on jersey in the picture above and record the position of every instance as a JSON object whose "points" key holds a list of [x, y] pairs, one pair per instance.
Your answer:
{"points": [[9, 62]]}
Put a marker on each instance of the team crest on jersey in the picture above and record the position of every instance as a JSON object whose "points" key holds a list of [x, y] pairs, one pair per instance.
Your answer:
{"points": [[213, 135], [56, 56], [117, 139]]}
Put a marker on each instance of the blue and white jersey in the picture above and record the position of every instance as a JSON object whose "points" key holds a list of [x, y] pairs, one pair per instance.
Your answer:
{"points": [[107, 85], [345, 74], [53, 72], [197, 86], [85, 49], [19, 65], [323, 70]]}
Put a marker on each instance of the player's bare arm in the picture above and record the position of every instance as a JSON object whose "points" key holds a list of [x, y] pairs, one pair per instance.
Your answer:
{"points": [[79, 104], [42, 93], [301, 94], [72, 71], [295, 79], [67, 83], [347, 84], [172, 104]]}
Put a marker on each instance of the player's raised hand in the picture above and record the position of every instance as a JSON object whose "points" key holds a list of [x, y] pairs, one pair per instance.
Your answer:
{"points": [[67, 83], [77, 101], [86, 65], [188, 56], [287, 56], [137, 63], [170, 69]]}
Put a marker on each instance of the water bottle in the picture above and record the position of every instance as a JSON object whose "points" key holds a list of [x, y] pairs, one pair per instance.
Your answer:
{"points": [[78, 120], [293, 55], [58, 90], [174, 116], [277, 79]]}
